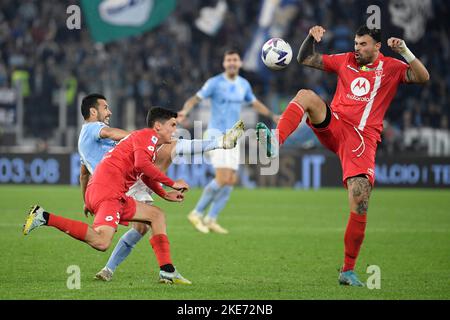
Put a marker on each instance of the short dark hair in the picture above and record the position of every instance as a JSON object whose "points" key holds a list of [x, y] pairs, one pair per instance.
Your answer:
{"points": [[90, 101], [231, 51], [159, 114], [374, 33]]}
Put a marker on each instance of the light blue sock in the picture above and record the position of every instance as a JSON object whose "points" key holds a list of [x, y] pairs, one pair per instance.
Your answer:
{"points": [[123, 248], [208, 194], [184, 146], [219, 202]]}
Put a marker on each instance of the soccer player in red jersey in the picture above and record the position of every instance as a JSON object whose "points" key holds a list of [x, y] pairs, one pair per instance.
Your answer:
{"points": [[106, 198], [351, 126]]}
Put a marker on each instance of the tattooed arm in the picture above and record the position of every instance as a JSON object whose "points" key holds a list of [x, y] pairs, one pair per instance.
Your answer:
{"points": [[417, 72], [307, 54]]}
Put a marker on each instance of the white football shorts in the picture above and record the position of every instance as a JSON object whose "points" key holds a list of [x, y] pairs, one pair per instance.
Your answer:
{"points": [[226, 159], [140, 192]]}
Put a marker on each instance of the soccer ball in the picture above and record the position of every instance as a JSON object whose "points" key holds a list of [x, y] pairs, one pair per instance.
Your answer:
{"points": [[276, 54]]}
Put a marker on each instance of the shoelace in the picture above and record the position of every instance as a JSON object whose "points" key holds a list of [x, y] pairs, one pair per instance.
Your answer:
{"points": [[362, 144]]}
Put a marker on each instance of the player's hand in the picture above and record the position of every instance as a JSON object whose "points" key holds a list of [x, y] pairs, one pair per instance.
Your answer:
{"points": [[180, 185], [317, 32], [397, 45], [174, 196], [87, 212], [181, 116]]}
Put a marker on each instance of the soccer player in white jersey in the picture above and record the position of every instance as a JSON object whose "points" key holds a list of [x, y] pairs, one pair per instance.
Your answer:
{"points": [[228, 93]]}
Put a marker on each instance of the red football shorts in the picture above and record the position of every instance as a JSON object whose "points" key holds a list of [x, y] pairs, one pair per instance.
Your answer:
{"points": [[356, 151], [110, 208]]}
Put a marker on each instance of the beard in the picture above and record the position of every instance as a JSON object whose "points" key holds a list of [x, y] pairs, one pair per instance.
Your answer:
{"points": [[105, 120], [363, 60]]}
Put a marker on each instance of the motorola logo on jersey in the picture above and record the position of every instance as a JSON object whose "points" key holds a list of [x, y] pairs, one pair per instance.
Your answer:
{"points": [[360, 87]]}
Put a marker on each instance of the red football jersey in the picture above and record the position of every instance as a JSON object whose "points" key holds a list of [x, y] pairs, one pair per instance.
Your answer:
{"points": [[130, 160], [363, 95]]}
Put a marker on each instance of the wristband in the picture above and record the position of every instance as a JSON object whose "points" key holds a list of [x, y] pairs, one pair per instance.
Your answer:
{"points": [[407, 54]]}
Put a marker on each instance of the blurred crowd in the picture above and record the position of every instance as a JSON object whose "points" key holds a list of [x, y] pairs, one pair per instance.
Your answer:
{"points": [[170, 63]]}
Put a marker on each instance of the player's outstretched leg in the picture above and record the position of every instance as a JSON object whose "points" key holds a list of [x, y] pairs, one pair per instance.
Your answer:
{"points": [[230, 138], [227, 141], [159, 242], [99, 239], [38, 217], [35, 219], [267, 140], [359, 189], [122, 250], [305, 101]]}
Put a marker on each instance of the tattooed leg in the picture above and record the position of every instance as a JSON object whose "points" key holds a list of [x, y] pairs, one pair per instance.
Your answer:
{"points": [[359, 189]]}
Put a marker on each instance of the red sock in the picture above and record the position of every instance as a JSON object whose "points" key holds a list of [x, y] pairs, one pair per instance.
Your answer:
{"points": [[73, 228], [354, 236], [160, 244], [289, 121]]}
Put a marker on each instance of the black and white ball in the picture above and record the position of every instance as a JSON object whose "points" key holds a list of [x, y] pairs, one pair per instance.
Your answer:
{"points": [[276, 54]]}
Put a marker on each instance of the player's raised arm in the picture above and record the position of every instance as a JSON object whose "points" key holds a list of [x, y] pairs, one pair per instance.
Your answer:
{"points": [[307, 54], [187, 107], [416, 73], [113, 133], [264, 110]]}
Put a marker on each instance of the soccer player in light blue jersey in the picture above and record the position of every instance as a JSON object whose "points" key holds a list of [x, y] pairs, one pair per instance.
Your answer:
{"points": [[97, 138], [228, 92]]}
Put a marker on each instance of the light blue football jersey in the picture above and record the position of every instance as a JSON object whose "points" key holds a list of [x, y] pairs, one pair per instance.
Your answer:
{"points": [[91, 146], [227, 98]]}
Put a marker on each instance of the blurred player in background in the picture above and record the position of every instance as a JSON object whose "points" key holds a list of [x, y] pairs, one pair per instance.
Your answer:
{"points": [[97, 138], [228, 93], [351, 127]]}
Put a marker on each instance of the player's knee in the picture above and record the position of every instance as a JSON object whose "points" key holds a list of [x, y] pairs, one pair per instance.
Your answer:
{"points": [[362, 205], [159, 217], [359, 191], [305, 97], [225, 181], [232, 181], [102, 245]]}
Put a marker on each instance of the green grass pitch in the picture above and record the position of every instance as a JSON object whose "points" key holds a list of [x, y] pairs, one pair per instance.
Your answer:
{"points": [[283, 244]]}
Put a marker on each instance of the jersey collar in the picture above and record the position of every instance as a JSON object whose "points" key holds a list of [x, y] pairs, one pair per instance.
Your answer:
{"points": [[228, 79], [376, 62], [371, 66]]}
